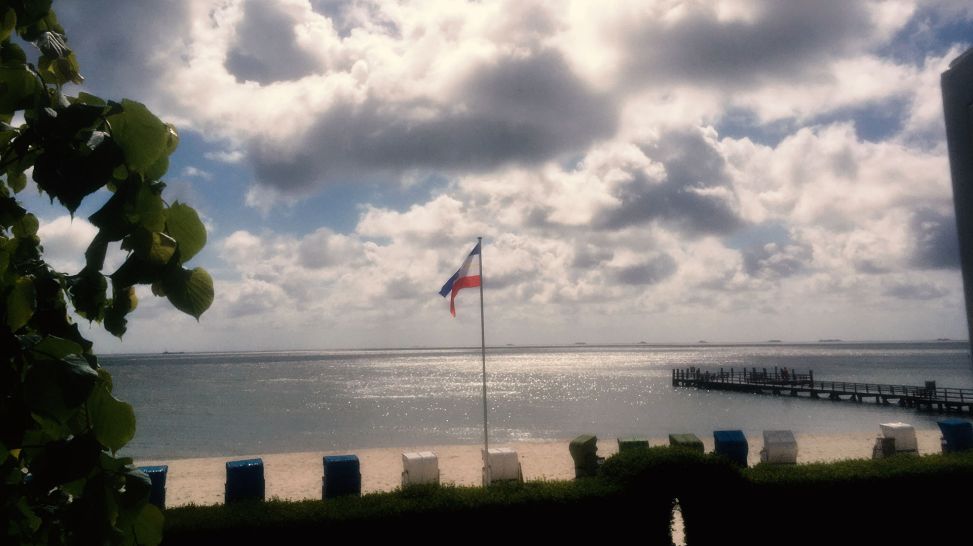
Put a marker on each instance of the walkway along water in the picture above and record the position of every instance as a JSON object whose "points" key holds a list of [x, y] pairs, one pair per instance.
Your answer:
{"points": [[780, 382]]}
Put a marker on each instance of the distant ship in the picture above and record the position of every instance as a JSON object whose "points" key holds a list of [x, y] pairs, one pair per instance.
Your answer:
{"points": [[580, 343], [829, 341], [773, 341], [943, 339]]}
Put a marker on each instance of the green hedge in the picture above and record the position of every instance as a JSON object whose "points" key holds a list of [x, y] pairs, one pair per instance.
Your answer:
{"points": [[870, 502]]}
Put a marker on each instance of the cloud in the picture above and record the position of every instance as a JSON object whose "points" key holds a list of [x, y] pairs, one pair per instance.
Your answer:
{"points": [[936, 241], [195, 172], [265, 48], [694, 197], [225, 156], [667, 167], [915, 291], [650, 272], [775, 261], [514, 110], [64, 240], [750, 43]]}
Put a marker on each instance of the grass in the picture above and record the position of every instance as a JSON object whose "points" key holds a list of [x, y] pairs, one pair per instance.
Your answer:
{"points": [[635, 490]]}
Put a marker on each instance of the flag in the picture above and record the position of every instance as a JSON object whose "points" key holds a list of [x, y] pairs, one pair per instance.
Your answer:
{"points": [[468, 276]]}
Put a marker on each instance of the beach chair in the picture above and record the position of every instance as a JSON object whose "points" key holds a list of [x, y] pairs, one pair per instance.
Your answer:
{"points": [[632, 442], [157, 475], [884, 447], [957, 435], [244, 480], [904, 436], [584, 451], [780, 447], [420, 468], [501, 464], [689, 442], [732, 444], [342, 477]]}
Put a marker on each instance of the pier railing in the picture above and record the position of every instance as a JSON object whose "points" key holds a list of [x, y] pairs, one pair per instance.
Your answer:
{"points": [[785, 378]]}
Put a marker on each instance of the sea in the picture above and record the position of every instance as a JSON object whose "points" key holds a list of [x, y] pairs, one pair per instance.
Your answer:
{"points": [[235, 403]]}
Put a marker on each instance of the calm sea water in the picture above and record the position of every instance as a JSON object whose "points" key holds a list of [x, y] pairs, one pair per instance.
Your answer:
{"points": [[209, 404]]}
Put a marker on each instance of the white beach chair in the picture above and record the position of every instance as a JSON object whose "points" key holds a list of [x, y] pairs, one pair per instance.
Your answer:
{"points": [[501, 464], [780, 447], [904, 436], [420, 468]]}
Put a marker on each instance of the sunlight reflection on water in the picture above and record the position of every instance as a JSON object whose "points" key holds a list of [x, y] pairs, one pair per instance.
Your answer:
{"points": [[303, 400]]}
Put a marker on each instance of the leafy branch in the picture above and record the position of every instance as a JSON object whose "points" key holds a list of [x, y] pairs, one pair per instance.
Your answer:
{"points": [[62, 427]]}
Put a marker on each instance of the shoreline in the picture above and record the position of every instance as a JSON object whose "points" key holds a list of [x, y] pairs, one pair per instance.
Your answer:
{"points": [[297, 476]]}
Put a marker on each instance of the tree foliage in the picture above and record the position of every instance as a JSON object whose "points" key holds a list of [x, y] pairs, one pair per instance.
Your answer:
{"points": [[62, 481]]}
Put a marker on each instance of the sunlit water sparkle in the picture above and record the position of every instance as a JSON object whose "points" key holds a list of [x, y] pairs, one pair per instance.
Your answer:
{"points": [[208, 404]]}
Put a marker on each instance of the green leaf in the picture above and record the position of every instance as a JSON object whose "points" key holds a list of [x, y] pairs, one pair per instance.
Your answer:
{"points": [[56, 348], [54, 388], [142, 136], [31, 18], [26, 226], [17, 181], [8, 23], [147, 529], [18, 88], [105, 379], [191, 291], [20, 303], [153, 247], [87, 98], [112, 420], [172, 142], [12, 55], [184, 224], [87, 290], [161, 249], [158, 169], [150, 210], [123, 303], [61, 70]]}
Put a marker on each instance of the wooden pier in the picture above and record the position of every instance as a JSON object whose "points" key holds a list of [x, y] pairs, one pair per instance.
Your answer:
{"points": [[782, 382]]}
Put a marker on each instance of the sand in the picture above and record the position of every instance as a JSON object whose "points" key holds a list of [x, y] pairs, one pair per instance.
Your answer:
{"points": [[296, 476]]}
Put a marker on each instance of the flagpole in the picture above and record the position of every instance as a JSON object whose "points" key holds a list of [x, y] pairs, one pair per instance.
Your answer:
{"points": [[486, 435]]}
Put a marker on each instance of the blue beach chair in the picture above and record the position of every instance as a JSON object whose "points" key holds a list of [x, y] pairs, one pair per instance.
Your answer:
{"points": [[732, 444], [157, 475], [957, 435], [342, 476], [244, 480]]}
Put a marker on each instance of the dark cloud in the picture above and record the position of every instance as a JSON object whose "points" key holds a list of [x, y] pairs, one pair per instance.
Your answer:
{"points": [[266, 50], [784, 39], [651, 272], [589, 256], [519, 110], [680, 201], [915, 291], [773, 261], [936, 241], [114, 41]]}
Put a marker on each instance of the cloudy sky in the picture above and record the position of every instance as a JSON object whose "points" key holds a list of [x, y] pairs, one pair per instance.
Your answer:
{"points": [[666, 171]]}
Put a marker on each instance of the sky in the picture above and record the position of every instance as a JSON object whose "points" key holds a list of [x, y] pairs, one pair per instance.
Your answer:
{"points": [[658, 171]]}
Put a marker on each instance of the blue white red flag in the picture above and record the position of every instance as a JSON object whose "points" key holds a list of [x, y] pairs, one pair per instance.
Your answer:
{"points": [[468, 276]]}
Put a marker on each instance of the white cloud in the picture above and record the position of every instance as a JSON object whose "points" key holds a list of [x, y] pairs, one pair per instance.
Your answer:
{"points": [[65, 239], [633, 166], [195, 172]]}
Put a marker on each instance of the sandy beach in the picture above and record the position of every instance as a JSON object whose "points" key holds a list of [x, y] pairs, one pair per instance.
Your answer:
{"points": [[296, 476]]}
